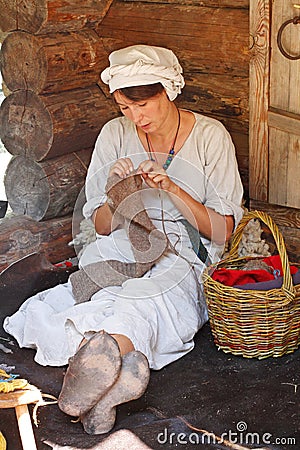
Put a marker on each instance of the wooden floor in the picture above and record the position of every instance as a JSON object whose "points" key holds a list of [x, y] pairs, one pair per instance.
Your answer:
{"points": [[250, 403]]}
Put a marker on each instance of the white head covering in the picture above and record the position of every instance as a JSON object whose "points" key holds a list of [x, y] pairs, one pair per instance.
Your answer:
{"points": [[141, 65]]}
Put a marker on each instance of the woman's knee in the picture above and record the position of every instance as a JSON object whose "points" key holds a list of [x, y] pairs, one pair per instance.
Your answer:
{"points": [[124, 343]]}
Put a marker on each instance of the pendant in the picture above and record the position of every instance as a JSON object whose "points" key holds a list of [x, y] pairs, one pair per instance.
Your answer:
{"points": [[169, 159]]}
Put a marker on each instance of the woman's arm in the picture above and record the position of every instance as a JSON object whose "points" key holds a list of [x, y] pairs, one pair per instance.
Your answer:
{"points": [[102, 218], [214, 226], [105, 222], [209, 223]]}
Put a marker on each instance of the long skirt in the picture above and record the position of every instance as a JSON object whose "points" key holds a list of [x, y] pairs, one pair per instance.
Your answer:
{"points": [[159, 312]]}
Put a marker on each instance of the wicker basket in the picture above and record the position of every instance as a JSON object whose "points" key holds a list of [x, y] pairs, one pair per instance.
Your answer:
{"points": [[254, 323]]}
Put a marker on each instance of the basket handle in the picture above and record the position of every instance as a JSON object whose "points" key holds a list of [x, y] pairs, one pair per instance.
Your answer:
{"points": [[287, 284]]}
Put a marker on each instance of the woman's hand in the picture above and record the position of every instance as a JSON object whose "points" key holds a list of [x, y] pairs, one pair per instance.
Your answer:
{"points": [[122, 167], [210, 224], [155, 176]]}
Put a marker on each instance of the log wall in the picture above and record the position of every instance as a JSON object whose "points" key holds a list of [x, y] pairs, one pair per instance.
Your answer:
{"points": [[51, 58], [48, 189], [21, 236], [53, 62], [48, 16], [47, 126], [50, 61], [211, 40]]}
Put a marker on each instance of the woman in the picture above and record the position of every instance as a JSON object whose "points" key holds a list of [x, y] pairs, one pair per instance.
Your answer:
{"points": [[190, 182]]}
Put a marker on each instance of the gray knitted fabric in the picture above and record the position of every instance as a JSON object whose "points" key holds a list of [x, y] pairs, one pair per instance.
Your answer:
{"points": [[148, 244]]}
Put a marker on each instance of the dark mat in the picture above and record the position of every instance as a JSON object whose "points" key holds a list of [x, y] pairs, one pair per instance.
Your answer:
{"points": [[247, 402]]}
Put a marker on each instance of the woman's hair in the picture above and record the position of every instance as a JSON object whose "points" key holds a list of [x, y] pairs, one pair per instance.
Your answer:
{"points": [[139, 93]]}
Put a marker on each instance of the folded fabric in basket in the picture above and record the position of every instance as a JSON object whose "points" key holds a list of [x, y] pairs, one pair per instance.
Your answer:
{"points": [[267, 285], [258, 279]]}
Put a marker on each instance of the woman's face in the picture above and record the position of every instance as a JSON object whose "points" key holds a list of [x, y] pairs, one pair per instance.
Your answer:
{"points": [[150, 115]]}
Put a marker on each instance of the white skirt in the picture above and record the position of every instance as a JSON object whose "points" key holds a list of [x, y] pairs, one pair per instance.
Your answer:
{"points": [[160, 312]]}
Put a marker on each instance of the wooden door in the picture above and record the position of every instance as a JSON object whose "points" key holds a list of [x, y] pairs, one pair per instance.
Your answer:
{"points": [[275, 103]]}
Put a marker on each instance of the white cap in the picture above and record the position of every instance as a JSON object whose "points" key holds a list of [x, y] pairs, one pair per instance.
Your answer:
{"points": [[139, 65]]}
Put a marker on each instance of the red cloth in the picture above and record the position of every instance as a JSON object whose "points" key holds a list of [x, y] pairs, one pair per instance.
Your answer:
{"points": [[232, 277]]}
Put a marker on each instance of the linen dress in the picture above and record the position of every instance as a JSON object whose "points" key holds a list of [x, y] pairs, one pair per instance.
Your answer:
{"points": [[161, 311]]}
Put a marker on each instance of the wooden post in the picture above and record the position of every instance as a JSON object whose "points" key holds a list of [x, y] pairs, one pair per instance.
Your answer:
{"points": [[19, 399], [258, 99], [25, 428]]}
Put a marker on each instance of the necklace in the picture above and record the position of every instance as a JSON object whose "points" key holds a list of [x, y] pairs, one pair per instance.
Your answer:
{"points": [[171, 153]]}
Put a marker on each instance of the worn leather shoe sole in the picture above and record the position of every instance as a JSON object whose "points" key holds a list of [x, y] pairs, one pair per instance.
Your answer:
{"points": [[131, 384], [90, 374]]}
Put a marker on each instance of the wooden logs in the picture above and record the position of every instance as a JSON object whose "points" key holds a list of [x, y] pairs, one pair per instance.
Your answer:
{"points": [[211, 44], [47, 189], [43, 127], [50, 16], [227, 100], [206, 39], [52, 63], [21, 236]]}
